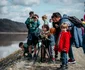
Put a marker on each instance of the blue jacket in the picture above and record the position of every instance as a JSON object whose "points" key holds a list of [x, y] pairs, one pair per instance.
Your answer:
{"points": [[52, 40], [77, 36], [75, 31], [84, 43]]}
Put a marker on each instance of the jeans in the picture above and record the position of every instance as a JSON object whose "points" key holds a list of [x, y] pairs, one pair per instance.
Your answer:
{"points": [[77, 37], [71, 56], [64, 58], [51, 51]]}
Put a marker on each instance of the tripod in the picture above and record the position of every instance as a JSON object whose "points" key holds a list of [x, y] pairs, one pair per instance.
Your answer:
{"points": [[40, 47]]}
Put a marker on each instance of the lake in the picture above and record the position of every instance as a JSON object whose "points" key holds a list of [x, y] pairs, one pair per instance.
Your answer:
{"points": [[9, 43]]}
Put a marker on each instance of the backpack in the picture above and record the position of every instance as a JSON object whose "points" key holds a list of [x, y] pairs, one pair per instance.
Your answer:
{"points": [[75, 21]]}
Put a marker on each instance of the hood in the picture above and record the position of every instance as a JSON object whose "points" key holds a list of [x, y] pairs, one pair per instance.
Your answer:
{"points": [[65, 16]]}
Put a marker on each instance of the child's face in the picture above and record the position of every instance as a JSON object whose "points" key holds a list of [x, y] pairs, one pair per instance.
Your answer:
{"points": [[31, 15], [43, 19], [63, 29], [44, 29], [35, 18], [21, 46]]}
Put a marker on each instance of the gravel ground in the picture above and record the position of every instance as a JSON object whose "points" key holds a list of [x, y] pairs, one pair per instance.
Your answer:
{"points": [[28, 65]]}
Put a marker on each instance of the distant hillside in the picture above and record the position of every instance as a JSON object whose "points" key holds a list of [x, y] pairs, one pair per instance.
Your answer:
{"points": [[7, 25]]}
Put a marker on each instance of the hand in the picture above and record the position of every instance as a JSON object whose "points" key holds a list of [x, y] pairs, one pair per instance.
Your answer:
{"points": [[64, 51], [56, 25], [46, 36]]}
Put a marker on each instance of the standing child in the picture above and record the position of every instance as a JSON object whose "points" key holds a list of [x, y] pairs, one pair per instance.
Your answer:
{"points": [[45, 42], [52, 44], [63, 45], [44, 18], [29, 20], [33, 37]]}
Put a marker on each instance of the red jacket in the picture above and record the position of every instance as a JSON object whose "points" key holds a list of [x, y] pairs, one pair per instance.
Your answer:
{"points": [[64, 42]]}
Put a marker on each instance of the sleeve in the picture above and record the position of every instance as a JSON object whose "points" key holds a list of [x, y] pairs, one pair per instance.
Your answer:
{"points": [[38, 23], [52, 39], [27, 21]]}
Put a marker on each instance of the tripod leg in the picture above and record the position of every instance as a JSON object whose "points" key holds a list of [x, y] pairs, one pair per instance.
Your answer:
{"points": [[42, 53], [47, 52]]}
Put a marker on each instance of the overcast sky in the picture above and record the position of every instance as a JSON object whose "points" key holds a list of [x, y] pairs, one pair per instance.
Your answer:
{"points": [[18, 10]]}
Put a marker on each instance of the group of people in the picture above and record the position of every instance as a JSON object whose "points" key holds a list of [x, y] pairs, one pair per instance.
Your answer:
{"points": [[54, 37]]}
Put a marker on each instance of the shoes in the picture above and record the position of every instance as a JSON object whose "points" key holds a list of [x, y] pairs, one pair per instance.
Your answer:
{"points": [[71, 61], [56, 56], [29, 56], [63, 67], [34, 57], [53, 60]]}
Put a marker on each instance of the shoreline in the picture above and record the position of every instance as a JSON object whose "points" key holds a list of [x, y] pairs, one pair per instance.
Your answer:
{"points": [[16, 62], [10, 59], [13, 32]]}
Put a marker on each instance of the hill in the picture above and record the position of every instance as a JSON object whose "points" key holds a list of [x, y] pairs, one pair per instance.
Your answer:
{"points": [[7, 25]]}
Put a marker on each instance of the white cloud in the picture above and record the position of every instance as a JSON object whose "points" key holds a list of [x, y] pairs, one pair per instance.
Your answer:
{"points": [[4, 10], [4, 2], [65, 2], [15, 13], [25, 12], [17, 10], [25, 2]]}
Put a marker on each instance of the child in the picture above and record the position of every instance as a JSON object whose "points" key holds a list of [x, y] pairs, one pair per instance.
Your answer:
{"points": [[29, 20], [44, 18], [32, 37], [63, 44], [45, 42], [24, 48], [52, 44]]}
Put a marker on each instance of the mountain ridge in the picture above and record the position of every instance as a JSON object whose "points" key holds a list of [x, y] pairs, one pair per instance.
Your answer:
{"points": [[7, 25]]}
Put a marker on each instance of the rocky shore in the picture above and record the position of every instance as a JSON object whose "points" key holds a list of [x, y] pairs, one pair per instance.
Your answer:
{"points": [[15, 62], [5, 62]]}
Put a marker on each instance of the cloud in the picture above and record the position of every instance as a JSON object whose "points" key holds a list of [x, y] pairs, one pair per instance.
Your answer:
{"points": [[17, 10], [68, 11], [69, 7], [15, 13], [66, 2], [4, 10], [25, 2], [4, 2]]}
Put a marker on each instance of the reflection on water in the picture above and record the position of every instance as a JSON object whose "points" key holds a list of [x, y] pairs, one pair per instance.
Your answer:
{"points": [[9, 43]]}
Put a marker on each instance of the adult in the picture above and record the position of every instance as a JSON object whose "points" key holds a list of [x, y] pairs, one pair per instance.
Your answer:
{"points": [[57, 20]]}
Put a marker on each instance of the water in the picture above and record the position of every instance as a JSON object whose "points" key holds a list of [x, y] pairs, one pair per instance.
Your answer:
{"points": [[9, 43]]}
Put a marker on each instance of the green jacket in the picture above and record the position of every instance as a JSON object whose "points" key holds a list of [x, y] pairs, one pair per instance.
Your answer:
{"points": [[32, 25]]}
